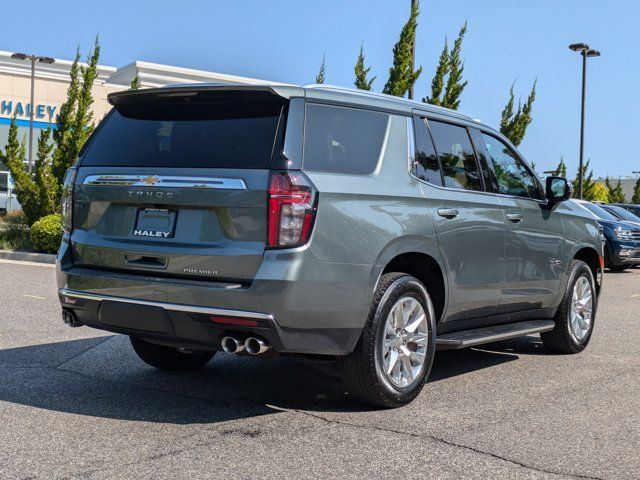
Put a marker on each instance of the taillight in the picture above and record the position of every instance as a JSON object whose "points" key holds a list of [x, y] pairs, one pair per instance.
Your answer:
{"points": [[66, 200], [292, 207]]}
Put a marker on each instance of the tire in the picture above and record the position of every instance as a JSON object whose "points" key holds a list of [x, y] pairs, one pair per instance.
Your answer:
{"points": [[169, 358], [563, 339], [363, 371]]}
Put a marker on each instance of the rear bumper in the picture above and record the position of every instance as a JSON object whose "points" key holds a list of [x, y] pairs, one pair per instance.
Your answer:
{"points": [[300, 305]]}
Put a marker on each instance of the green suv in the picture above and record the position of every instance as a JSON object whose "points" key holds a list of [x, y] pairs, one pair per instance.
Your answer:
{"points": [[318, 221]]}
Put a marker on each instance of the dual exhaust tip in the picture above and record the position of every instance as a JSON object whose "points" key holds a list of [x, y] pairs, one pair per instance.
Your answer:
{"points": [[69, 318], [252, 345]]}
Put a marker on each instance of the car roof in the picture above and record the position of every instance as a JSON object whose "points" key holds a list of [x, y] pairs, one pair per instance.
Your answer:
{"points": [[318, 92]]}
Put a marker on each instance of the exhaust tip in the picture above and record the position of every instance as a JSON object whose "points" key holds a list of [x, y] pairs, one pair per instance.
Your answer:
{"points": [[231, 345], [256, 346], [70, 320]]}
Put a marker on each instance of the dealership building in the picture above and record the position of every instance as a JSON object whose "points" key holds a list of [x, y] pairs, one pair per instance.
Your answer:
{"points": [[52, 81]]}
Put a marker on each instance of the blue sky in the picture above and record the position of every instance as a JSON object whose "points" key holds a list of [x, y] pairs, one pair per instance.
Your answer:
{"points": [[284, 40]]}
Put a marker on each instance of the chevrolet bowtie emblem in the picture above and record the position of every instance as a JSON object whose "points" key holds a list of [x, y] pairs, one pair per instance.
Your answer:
{"points": [[150, 180]]}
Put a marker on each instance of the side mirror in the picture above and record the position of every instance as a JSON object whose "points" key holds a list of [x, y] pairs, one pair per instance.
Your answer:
{"points": [[558, 190]]}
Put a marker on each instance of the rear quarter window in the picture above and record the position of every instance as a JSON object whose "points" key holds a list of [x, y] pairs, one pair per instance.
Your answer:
{"points": [[343, 139]]}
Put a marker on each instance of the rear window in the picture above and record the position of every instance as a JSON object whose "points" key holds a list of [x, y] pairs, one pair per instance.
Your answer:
{"points": [[342, 139], [198, 129]]}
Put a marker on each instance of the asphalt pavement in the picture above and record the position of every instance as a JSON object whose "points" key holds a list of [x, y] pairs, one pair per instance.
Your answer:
{"points": [[78, 403]]}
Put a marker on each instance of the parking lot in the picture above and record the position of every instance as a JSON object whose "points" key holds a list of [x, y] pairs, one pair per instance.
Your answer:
{"points": [[79, 403]]}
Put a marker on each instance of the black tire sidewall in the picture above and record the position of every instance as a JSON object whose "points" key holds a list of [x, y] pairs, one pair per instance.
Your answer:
{"points": [[406, 286]]}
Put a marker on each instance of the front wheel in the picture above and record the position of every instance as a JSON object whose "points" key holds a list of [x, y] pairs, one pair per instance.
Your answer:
{"points": [[169, 358], [394, 355], [577, 312]]}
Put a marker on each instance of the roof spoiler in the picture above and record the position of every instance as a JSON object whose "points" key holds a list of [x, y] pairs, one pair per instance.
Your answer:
{"points": [[186, 90]]}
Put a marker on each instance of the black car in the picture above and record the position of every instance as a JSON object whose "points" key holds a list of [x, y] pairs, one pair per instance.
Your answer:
{"points": [[622, 246]]}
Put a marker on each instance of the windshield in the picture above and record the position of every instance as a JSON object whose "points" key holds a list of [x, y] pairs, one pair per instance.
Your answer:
{"points": [[622, 213], [599, 212]]}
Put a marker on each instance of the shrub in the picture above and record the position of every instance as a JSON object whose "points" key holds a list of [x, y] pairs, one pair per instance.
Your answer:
{"points": [[46, 233], [14, 231]]}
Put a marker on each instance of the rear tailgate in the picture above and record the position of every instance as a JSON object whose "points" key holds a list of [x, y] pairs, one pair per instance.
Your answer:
{"points": [[176, 185]]}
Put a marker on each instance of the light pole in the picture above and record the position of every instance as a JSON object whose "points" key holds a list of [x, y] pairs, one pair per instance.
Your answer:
{"points": [[33, 59], [586, 52]]}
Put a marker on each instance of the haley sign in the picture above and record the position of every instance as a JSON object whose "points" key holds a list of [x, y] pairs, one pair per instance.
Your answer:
{"points": [[11, 108]]}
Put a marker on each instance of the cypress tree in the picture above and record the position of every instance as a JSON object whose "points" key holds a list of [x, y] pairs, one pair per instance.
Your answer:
{"points": [[455, 85], [636, 192], [561, 169], [322, 71], [36, 194], [362, 82], [618, 194], [401, 74], [588, 184], [607, 183], [135, 83], [513, 125], [437, 83], [75, 122]]}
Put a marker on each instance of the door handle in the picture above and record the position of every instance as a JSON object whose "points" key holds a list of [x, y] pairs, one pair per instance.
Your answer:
{"points": [[514, 217], [448, 212]]}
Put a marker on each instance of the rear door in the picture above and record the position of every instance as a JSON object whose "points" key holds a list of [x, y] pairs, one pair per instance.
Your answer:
{"points": [[469, 222], [175, 184]]}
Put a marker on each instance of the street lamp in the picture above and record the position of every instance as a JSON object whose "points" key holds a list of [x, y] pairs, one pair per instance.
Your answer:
{"points": [[586, 52], [33, 59]]}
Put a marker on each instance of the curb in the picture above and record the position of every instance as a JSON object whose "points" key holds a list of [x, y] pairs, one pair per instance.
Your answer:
{"points": [[27, 256]]}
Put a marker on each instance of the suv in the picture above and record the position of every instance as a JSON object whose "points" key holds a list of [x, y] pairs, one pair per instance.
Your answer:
{"points": [[318, 221]]}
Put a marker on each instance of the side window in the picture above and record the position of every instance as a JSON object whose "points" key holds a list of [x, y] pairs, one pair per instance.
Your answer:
{"points": [[512, 176], [489, 176], [457, 158], [426, 166], [341, 139]]}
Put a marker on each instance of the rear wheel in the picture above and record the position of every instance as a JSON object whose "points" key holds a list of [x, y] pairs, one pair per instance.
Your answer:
{"points": [[576, 314], [394, 355], [169, 358]]}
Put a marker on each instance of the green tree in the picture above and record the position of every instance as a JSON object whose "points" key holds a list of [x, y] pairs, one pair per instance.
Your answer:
{"points": [[561, 169], [455, 85], [361, 71], [513, 125], [607, 183], [401, 74], [322, 71], [438, 81], [135, 83], [36, 193], [636, 192], [588, 183], [617, 195], [75, 122]]}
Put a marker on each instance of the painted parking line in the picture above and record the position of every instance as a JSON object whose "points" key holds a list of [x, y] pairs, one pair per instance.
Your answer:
{"points": [[33, 296], [32, 264]]}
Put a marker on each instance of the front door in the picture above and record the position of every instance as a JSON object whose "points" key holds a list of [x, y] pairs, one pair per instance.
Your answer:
{"points": [[535, 240]]}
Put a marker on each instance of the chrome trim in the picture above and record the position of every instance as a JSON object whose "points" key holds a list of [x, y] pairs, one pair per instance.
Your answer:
{"points": [[176, 307], [165, 181]]}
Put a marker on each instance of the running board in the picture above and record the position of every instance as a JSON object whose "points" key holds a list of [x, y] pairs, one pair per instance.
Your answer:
{"points": [[479, 336]]}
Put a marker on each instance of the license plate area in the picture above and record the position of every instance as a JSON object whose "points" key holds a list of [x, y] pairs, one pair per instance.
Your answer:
{"points": [[155, 223]]}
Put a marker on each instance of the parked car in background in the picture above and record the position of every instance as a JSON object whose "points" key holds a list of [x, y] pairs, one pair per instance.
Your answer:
{"points": [[319, 221], [632, 207], [621, 213], [622, 246]]}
